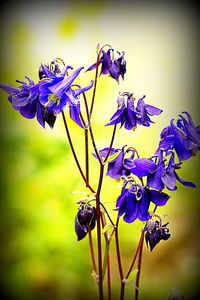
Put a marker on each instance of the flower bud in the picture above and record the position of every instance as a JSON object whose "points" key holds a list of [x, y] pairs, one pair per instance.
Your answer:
{"points": [[85, 218]]}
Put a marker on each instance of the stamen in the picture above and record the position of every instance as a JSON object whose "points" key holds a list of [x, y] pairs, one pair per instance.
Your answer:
{"points": [[52, 98]]}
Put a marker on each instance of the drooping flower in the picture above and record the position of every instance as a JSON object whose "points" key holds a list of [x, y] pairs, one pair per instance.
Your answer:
{"points": [[112, 66], [25, 99], [134, 202], [183, 138], [119, 165], [155, 233], [165, 175], [130, 115], [85, 220]]}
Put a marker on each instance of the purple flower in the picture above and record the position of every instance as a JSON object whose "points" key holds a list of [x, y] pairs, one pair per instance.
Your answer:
{"points": [[112, 66], [56, 92], [155, 233], [130, 115], [183, 138], [25, 98], [134, 202], [119, 165], [166, 176], [85, 218]]}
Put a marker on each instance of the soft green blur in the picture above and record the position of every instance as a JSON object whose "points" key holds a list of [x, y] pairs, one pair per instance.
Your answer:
{"points": [[41, 258]]}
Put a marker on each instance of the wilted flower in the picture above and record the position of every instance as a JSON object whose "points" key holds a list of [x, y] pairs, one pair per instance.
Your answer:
{"points": [[155, 232], [130, 115], [134, 202], [110, 65], [166, 175], [85, 219], [25, 98], [183, 138]]}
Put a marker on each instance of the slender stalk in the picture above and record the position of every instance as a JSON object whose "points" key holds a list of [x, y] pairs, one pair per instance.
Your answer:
{"points": [[121, 274], [111, 143], [86, 156], [96, 77], [108, 278], [101, 296], [92, 251], [136, 254], [139, 269], [74, 154], [95, 82]]}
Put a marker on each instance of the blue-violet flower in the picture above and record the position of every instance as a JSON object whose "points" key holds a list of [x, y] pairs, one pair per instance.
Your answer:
{"points": [[134, 202], [130, 115]]}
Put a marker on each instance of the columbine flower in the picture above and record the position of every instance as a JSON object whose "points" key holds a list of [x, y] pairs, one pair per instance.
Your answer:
{"points": [[112, 66], [85, 218], [155, 232], [130, 115], [56, 92], [119, 166], [25, 98], [134, 202], [183, 138], [166, 175]]}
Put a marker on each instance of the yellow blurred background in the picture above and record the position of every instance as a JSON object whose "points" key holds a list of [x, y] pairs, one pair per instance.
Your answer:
{"points": [[41, 258]]}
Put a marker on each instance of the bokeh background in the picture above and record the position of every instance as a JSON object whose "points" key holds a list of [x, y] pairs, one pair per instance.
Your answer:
{"points": [[40, 256]]}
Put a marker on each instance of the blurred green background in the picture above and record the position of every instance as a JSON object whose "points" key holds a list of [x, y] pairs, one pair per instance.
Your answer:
{"points": [[40, 257]]}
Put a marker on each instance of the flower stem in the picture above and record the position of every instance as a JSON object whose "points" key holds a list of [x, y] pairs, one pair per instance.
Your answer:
{"points": [[121, 274], [111, 143], [96, 77], [86, 155], [92, 251], [101, 296], [139, 268], [74, 154], [136, 254]]}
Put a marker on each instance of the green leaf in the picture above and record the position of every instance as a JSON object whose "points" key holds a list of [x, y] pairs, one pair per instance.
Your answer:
{"points": [[113, 156], [107, 227]]}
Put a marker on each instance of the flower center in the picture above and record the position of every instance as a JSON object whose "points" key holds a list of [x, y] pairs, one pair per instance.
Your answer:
{"points": [[52, 98]]}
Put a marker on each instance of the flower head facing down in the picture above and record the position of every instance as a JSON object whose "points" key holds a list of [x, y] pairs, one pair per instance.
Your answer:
{"points": [[115, 67], [85, 219], [166, 175], [184, 137], [155, 232], [134, 202], [130, 115], [25, 99]]}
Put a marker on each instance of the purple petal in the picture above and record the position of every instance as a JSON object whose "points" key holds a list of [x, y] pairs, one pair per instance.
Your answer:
{"points": [[158, 198], [74, 111], [185, 182], [143, 166], [84, 89], [10, 89], [152, 110]]}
